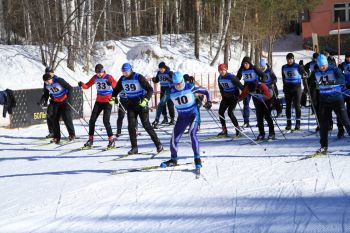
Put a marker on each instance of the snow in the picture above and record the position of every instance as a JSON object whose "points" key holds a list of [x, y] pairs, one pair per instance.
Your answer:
{"points": [[243, 188]]}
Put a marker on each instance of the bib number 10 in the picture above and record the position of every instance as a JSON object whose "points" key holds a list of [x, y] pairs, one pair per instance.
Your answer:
{"points": [[182, 100]]}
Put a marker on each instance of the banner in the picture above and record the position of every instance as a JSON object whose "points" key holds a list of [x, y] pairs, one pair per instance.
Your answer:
{"points": [[28, 112]]}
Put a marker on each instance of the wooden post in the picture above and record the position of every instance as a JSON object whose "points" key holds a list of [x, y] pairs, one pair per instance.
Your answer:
{"points": [[338, 40]]}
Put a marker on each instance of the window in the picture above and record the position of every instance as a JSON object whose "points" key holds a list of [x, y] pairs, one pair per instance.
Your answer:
{"points": [[341, 11]]}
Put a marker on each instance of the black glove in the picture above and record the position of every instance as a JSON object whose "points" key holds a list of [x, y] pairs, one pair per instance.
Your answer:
{"points": [[207, 105], [116, 100], [109, 83], [301, 62], [43, 102], [80, 83]]}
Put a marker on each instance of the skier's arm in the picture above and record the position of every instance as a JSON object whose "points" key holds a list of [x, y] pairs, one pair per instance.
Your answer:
{"points": [[156, 79], [339, 77], [202, 91], [112, 80], [89, 83], [146, 86], [265, 91], [67, 86], [273, 77], [261, 74], [236, 82], [239, 74], [244, 94], [45, 96], [118, 88]]}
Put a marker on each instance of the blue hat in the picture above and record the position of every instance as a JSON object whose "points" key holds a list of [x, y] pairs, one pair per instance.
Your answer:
{"points": [[178, 77], [263, 62], [126, 67], [322, 60]]}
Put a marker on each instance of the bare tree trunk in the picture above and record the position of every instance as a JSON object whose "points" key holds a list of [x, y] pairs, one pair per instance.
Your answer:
{"points": [[228, 40], [64, 18], [160, 22], [221, 17], [137, 16], [269, 58], [124, 17], [104, 24], [197, 28], [71, 29], [128, 17], [177, 17], [2, 21], [155, 24], [88, 34], [228, 15]]}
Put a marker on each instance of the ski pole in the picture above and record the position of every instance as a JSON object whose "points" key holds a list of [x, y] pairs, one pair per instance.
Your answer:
{"points": [[273, 118], [312, 104], [83, 120], [243, 133], [251, 129]]}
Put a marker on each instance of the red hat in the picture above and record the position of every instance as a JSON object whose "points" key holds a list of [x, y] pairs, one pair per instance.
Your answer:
{"points": [[222, 67]]}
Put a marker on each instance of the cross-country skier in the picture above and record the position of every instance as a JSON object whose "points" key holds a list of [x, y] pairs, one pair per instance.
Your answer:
{"points": [[61, 93], [164, 77], [8, 100], [292, 75], [229, 87], [184, 97], [250, 74], [329, 80], [261, 98], [104, 84], [138, 92], [345, 68], [271, 82]]}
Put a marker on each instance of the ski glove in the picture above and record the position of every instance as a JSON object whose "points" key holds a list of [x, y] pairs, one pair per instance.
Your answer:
{"points": [[80, 83], [109, 83], [207, 105], [259, 97], [144, 103], [112, 100], [43, 102]]}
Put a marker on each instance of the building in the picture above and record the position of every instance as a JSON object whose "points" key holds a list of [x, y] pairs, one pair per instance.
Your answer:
{"points": [[323, 20]]}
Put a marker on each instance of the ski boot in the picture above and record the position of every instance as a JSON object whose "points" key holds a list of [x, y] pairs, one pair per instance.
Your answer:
{"points": [[50, 135], [71, 137], [55, 140], [297, 125], [164, 121], [322, 151], [88, 144], [155, 124], [289, 125], [271, 136], [119, 133], [172, 121], [160, 148], [198, 163], [260, 137], [223, 133], [169, 163], [238, 132], [133, 151], [246, 125], [111, 143], [340, 133]]}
